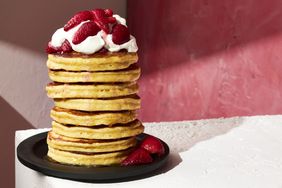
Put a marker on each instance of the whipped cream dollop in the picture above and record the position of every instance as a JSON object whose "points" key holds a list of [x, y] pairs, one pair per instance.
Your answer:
{"points": [[94, 43]]}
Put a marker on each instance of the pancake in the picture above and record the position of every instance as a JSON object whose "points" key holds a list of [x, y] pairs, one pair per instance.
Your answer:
{"points": [[74, 117], [99, 132], [131, 102], [97, 62], [60, 142], [87, 159], [130, 74], [57, 90]]}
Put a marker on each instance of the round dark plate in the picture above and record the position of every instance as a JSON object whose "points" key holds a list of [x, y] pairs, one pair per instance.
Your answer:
{"points": [[32, 153]]}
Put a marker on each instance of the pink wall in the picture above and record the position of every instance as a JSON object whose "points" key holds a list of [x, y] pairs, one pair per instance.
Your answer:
{"points": [[207, 59]]}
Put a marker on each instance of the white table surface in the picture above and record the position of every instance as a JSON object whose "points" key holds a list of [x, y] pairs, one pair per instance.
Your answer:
{"points": [[234, 152]]}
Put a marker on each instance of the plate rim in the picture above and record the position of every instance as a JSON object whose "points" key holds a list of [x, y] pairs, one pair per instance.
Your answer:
{"points": [[28, 158]]}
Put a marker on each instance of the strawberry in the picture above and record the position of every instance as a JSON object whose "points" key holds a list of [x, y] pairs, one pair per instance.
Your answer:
{"points": [[120, 34], [108, 12], [77, 19], [51, 49], [87, 29], [98, 14], [111, 20], [102, 24], [138, 156], [153, 145], [103, 18], [66, 47]]}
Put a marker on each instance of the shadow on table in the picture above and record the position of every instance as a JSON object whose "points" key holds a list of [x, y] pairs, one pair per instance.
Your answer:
{"points": [[191, 133], [200, 131]]}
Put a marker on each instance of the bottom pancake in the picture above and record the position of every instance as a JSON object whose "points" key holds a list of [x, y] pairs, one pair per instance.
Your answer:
{"points": [[88, 159], [60, 142]]}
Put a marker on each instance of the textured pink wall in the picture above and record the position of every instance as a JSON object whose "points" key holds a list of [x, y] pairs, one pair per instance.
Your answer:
{"points": [[207, 59]]}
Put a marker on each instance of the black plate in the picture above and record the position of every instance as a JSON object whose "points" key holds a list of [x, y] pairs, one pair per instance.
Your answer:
{"points": [[32, 153]]}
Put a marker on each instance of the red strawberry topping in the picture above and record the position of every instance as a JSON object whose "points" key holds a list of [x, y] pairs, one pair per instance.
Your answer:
{"points": [[98, 14], [102, 23], [66, 47], [108, 12], [50, 49], [138, 156], [120, 34], [153, 145], [111, 20], [103, 18], [77, 19], [87, 29], [97, 19]]}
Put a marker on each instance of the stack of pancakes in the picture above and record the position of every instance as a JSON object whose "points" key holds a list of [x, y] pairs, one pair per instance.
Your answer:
{"points": [[95, 107]]}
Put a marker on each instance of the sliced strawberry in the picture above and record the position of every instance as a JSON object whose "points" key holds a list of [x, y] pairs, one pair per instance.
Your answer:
{"points": [[138, 156], [108, 12], [77, 19], [111, 20], [98, 14], [153, 145], [51, 49], [87, 29], [120, 34], [102, 24], [66, 47]]}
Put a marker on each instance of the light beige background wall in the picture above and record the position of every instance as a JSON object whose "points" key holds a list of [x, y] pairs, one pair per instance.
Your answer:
{"points": [[26, 27]]}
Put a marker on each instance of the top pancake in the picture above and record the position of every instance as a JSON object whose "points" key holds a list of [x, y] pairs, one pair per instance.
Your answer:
{"points": [[95, 62]]}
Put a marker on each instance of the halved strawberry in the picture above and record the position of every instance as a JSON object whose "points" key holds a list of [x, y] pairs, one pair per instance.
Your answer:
{"points": [[66, 47], [153, 145], [120, 34], [111, 20], [77, 19], [138, 156], [103, 24], [87, 29], [103, 18], [51, 49], [98, 14]]}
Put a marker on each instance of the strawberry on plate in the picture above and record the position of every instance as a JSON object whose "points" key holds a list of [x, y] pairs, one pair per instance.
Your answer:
{"points": [[138, 156], [153, 145]]}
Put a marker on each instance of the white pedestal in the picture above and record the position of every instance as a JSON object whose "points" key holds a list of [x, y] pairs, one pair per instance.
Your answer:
{"points": [[233, 152]]}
